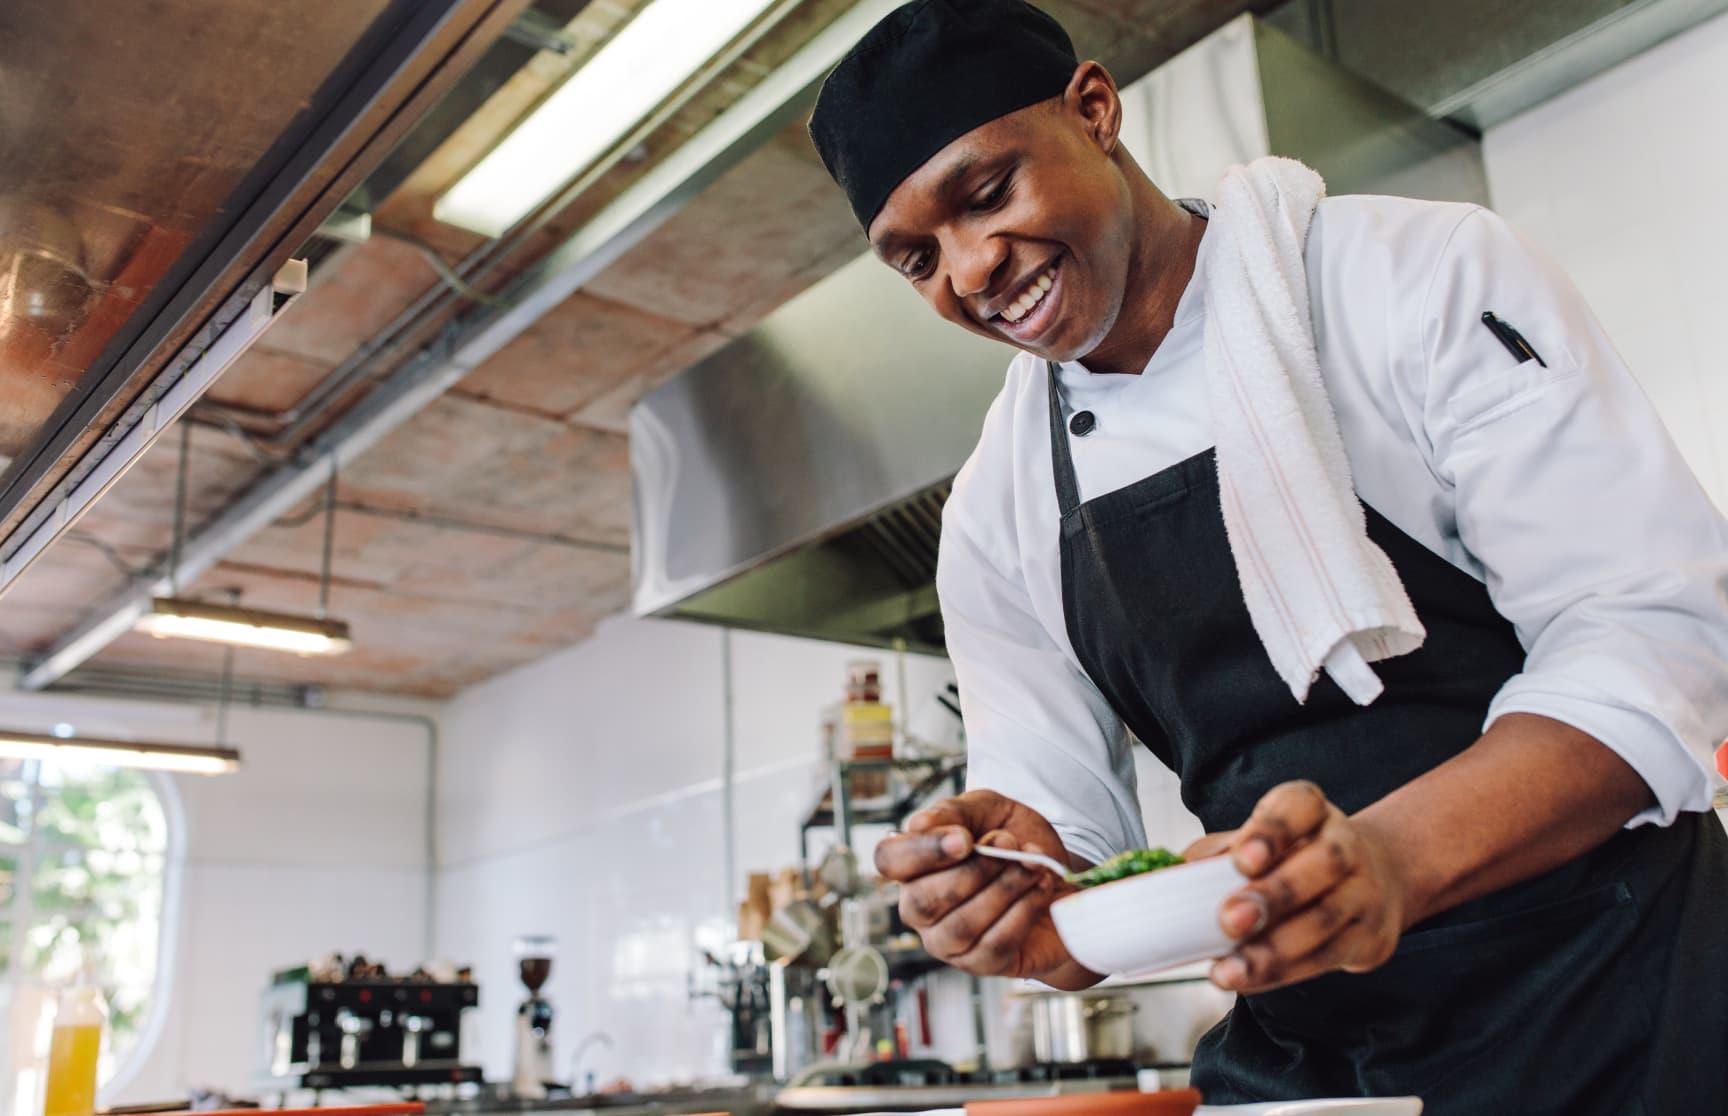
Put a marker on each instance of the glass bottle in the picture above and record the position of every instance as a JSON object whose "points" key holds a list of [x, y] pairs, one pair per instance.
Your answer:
{"points": [[70, 1089]]}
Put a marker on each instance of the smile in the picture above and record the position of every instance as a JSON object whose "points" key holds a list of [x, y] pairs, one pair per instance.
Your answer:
{"points": [[1033, 309], [1030, 296]]}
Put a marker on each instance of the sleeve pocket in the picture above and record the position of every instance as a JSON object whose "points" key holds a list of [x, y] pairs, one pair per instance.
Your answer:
{"points": [[1491, 397]]}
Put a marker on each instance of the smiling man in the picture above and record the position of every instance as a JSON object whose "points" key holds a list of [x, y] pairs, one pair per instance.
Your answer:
{"points": [[1483, 868]]}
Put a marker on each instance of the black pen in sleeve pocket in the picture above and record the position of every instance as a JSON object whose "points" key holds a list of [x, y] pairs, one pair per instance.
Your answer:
{"points": [[1511, 338]]}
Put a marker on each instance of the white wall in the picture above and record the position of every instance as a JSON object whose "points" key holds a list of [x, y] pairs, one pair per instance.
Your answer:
{"points": [[318, 843], [1621, 180]]}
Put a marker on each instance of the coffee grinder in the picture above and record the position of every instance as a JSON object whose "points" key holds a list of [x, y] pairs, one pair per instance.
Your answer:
{"points": [[534, 1017]]}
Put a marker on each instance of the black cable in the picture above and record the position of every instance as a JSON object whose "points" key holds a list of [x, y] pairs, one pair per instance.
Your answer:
{"points": [[445, 272], [227, 687], [224, 420], [114, 557]]}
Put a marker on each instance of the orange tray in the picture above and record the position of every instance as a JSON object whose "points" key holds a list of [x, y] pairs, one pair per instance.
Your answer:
{"points": [[1169, 1102]]}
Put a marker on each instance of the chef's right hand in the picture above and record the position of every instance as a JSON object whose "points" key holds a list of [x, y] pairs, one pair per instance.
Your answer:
{"points": [[985, 916]]}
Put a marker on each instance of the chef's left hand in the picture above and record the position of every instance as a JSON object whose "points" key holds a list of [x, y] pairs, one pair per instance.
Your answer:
{"points": [[1327, 893]]}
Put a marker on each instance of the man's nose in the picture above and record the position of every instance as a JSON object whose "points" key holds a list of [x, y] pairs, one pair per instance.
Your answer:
{"points": [[973, 268]]}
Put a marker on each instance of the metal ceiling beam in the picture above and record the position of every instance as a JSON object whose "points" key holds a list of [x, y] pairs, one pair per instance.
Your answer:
{"points": [[771, 105], [404, 63], [114, 456]]}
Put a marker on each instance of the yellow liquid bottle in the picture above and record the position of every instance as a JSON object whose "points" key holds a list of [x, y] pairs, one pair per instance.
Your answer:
{"points": [[70, 1089]]}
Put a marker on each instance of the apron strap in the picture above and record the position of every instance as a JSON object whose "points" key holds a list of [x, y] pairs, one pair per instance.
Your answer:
{"points": [[1061, 458]]}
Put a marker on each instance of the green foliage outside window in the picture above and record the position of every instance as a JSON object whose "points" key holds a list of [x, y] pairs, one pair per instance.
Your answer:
{"points": [[83, 852]]}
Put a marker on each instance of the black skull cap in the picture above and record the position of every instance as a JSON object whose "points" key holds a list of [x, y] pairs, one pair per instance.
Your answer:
{"points": [[928, 73]]}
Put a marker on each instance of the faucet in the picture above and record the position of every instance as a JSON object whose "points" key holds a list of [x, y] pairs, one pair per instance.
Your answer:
{"points": [[590, 1039]]}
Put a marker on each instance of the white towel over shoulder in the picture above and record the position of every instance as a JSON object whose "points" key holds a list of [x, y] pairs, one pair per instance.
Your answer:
{"points": [[1320, 593]]}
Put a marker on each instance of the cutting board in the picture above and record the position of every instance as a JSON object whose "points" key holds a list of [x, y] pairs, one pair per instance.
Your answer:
{"points": [[1385, 1106], [1166, 1102]]}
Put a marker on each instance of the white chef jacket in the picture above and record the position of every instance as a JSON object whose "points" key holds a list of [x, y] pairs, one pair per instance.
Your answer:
{"points": [[1557, 486]]}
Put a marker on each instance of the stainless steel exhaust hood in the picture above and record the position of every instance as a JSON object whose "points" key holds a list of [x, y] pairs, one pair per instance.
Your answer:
{"points": [[793, 482]]}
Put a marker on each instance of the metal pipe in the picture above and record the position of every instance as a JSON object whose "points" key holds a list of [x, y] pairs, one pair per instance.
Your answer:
{"points": [[900, 684], [329, 543], [728, 760], [842, 800], [409, 515], [768, 107], [978, 1029]]}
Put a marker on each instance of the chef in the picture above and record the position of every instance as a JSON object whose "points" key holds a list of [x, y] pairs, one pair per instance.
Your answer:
{"points": [[1348, 511]]}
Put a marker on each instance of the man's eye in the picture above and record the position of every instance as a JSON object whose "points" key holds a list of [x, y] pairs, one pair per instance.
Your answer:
{"points": [[917, 266], [992, 197]]}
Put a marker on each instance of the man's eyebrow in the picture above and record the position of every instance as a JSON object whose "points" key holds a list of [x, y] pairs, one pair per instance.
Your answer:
{"points": [[957, 173], [886, 244], [963, 168]]}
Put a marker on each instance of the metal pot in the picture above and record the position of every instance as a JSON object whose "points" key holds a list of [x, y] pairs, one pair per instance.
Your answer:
{"points": [[1075, 1028], [799, 933]]}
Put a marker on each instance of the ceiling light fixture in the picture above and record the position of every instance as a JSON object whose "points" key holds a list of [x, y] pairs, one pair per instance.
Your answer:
{"points": [[658, 51], [175, 617], [120, 753]]}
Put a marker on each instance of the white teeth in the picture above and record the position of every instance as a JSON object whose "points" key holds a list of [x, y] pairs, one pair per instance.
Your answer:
{"points": [[1030, 297]]}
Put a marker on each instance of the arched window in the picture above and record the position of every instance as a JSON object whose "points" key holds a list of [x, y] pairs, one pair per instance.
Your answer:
{"points": [[84, 875]]}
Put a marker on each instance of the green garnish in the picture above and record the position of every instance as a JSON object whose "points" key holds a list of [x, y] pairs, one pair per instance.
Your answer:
{"points": [[1135, 862]]}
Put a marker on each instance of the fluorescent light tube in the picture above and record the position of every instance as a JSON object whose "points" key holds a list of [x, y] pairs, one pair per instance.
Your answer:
{"points": [[628, 78], [120, 753], [244, 627]]}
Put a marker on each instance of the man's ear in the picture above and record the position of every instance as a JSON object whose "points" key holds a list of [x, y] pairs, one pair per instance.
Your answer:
{"points": [[1093, 98]]}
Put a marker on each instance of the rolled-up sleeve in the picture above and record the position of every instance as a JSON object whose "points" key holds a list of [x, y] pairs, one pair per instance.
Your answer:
{"points": [[1595, 538], [1037, 729]]}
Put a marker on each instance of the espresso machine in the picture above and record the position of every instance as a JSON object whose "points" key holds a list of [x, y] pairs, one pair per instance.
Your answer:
{"points": [[336, 1023], [533, 1018]]}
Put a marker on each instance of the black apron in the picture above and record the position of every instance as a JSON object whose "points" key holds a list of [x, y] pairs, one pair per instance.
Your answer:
{"points": [[1600, 987]]}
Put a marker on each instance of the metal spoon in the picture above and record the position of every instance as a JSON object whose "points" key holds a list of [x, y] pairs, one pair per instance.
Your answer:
{"points": [[1019, 857]]}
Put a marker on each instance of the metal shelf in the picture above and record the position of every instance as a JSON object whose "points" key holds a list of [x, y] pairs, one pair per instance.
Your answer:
{"points": [[937, 770], [931, 773]]}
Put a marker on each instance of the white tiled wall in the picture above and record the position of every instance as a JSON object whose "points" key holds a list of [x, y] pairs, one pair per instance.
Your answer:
{"points": [[580, 797]]}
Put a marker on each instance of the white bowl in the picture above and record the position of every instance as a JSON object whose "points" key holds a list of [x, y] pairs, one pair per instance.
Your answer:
{"points": [[1151, 921]]}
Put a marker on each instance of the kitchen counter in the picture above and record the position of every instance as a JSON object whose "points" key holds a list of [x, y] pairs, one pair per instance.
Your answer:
{"points": [[856, 1098], [739, 1101], [768, 1099]]}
